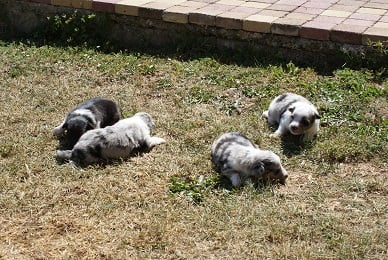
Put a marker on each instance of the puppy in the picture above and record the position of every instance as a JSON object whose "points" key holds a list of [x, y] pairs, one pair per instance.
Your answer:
{"points": [[113, 142], [91, 114], [237, 158], [295, 114]]}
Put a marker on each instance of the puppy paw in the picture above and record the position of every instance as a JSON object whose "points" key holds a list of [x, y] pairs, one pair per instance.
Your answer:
{"points": [[64, 155], [58, 130], [275, 135], [265, 114], [155, 141]]}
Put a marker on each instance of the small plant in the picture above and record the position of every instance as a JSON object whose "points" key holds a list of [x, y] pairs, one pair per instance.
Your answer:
{"points": [[193, 189], [75, 29]]}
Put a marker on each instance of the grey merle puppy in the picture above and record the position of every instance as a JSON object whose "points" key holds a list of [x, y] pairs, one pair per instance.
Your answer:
{"points": [[113, 142], [237, 158], [91, 114], [293, 114]]}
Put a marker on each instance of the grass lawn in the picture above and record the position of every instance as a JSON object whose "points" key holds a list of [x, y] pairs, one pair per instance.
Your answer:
{"points": [[168, 203]]}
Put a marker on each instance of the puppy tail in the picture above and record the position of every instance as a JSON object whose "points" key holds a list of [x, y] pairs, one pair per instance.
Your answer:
{"points": [[64, 154], [265, 114]]}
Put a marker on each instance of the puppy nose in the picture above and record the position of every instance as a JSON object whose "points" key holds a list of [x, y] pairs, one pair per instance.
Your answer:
{"points": [[294, 127]]}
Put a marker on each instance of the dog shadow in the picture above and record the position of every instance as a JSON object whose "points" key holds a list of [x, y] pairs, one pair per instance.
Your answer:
{"points": [[223, 182], [294, 145]]}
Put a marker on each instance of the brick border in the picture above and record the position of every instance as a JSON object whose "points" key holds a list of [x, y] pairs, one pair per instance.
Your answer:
{"points": [[337, 21]]}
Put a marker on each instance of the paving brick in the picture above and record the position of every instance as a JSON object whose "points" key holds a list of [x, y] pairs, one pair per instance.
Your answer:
{"points": [[335, 13], [317, 4], [169, 2], [286, 26], [245, 10], [154, 10], [379, 1], [177, 14], [231, 20], [384, 19], [207, 15], [375, 34], [287, 8], [129, 7], [346, 8], [329, 19], [291, 2], [274, 13], [258, 23], [309, 10], [61, 2], [377, 5], [84, 4], [316, 30], [265, 1], [256, 5], [352, 2], [160, 5], [194, 4], [351, 21], [230, 2], [364, 10], [107, 6], [346, 33], [300, 16], [206, 1], [381, 25], [369, 17]]}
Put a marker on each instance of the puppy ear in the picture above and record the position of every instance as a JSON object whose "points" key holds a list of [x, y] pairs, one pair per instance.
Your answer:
{"points": [[260, 167], [291, 109], [89, 126], [317, 116]]}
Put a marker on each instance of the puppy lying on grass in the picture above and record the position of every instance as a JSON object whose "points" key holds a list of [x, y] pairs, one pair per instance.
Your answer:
{"points": [[91, 114], [237, 158], [293, 114], [113, 142]]}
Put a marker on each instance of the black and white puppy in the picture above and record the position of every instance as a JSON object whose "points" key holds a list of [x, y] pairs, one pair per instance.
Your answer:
{"points": [[237, 158], [293, 114], [113, 142], [91, 114]]}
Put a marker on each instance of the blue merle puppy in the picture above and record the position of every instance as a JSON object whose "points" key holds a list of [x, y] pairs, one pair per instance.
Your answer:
{"points": [[293, 114], [118, 141], [237, 158], [91, 114]]}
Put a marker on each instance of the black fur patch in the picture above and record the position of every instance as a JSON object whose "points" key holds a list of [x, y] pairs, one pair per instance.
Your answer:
{"points": [[280, 98]]}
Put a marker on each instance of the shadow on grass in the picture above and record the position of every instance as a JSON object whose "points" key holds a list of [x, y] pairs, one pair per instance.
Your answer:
{"points": [[77, 29], [293, 145], [224, 183]]}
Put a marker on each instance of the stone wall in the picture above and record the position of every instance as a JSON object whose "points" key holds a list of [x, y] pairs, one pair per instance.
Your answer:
{"points": [[23, 19]]}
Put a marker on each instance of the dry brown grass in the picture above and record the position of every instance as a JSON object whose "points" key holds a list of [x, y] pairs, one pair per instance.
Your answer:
{"points": [[126, 210]]}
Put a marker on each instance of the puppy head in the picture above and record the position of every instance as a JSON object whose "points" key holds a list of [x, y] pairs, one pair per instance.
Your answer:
{"points": [[146, 119], [77, 126], [81, 157], [273, 169], [303, 116]]}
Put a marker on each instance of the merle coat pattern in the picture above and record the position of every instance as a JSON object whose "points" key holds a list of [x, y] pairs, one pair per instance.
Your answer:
{"points": [[293, 114], [237, 158], [120, 140]]}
